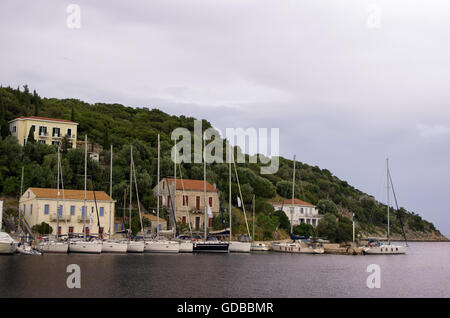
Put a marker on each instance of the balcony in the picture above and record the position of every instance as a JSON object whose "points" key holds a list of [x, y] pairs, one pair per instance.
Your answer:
{"points": [[80, 219], [43, 134], [56, 136], [61, 218]]}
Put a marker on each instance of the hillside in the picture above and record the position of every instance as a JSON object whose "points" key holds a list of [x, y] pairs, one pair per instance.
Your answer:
{"points": [[115, 124]]}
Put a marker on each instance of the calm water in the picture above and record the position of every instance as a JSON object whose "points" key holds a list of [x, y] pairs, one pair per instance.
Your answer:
{"points": [[423, 272]]}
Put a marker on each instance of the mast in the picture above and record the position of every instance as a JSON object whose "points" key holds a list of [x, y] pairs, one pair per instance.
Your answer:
{"points": [[253, 237], [57, 200], [293, 194], [131, 190], [85, 180], [157, 199], [110, 192], [204, 185], [174, 205], [137, 192], [387, 182], [21, 189], [230, 207]]}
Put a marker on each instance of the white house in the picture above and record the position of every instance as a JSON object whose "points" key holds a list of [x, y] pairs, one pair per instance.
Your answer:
{"points": [[300, 212]]}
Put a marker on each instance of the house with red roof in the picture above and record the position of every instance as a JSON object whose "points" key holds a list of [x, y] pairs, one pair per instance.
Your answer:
{"points": [[298, 211], [187, 199]]}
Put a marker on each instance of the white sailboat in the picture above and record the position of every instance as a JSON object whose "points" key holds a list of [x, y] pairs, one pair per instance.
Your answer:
{"points": [[159, 245], [235, 246], [109, 245], [257, 246], [380, 248], [82, 245], [133, 246], [299, 247], [49, 244]]}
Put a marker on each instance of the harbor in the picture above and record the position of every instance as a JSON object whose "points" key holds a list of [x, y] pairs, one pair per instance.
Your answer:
{"points": [[264, 274]]}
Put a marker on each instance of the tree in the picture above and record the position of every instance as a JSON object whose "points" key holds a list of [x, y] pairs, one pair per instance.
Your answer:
{"points": [[72, 115], [327, 206], [43, 228], [31, 136], [304, 230], [65, 144]]}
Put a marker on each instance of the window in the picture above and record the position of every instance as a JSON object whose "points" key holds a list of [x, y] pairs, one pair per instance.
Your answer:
{"points": [[69, 132], [184, 220], [56, 143], [72, 210], [31, 209], [33, 128], [56, 132], [82, 212], [42, 131], [168, 201], [28, 194], [60, 208], [163, 184], [197, 203], [24, 209], [102, 211], [185, 200], [14, 129], [210, 202], [301, 210], [46, 208], [42, 141]]}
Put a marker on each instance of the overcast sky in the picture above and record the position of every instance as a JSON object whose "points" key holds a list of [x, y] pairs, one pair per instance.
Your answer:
{"points": [[348, 83]]}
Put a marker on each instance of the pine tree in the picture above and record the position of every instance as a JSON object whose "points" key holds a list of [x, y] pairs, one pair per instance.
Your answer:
{"points": [[72, 116], [31, 136], [36, 100]]}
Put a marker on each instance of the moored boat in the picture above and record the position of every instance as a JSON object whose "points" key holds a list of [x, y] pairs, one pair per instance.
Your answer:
{"points": [[53, 246], [162, 246], [135, 246], [259, 247], [114, 246], [85, 246], [7, 245]]}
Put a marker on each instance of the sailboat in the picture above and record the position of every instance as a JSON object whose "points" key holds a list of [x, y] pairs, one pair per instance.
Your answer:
{"points": [[84, 245], [109, 245], [297, 246], [206, 246], [257, 246], [235, 246], [134, 246], [7, 244], [379, 248], [49, 244], [159, 245]]}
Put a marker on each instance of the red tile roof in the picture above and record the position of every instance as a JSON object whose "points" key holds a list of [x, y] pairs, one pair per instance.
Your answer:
{"points": [[47, 193], [46, 118], [193, 185], [296, 202]]}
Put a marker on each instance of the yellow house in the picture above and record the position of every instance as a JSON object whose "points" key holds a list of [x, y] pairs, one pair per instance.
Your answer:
{"points": [[39, 205], [46, 130]]}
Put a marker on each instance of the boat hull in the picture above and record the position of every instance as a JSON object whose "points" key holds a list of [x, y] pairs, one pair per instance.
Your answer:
{"points": [[239, 247], [7, 248], [259, 247], [85, 247], [296, 248], [385, 250], [186, 247], [162, 247], [114, 247], [54, 247], [210, 247], [135, 247]]}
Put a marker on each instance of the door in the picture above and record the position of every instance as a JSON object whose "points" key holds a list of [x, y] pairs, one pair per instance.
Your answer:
{"points": [[197, 223]]}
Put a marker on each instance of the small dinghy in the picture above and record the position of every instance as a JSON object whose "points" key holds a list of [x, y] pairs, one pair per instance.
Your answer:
{"points": [[26, 249]]}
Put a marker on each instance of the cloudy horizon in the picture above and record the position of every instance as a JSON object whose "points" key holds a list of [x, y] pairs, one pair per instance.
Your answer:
{"points": [[349, 83]]}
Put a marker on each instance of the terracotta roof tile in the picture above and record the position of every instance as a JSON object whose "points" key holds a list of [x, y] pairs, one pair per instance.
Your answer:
{"points": [[48, 193], [296, 202], [46, 118], [193, 185]]}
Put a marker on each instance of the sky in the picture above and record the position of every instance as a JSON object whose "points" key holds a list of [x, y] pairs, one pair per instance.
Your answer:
{"points": [[347, 82]]}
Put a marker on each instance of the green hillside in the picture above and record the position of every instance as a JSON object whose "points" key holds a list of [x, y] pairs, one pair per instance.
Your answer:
{"points": [[115, 124]]}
